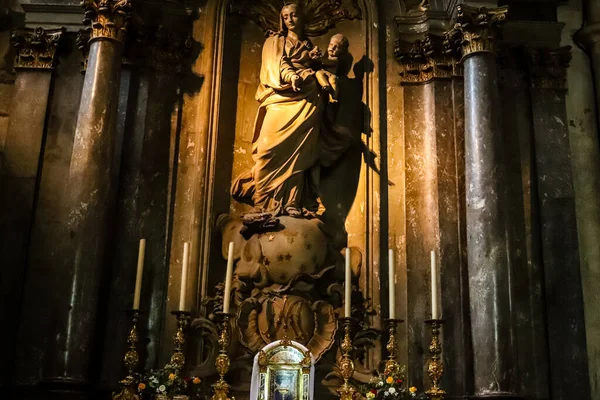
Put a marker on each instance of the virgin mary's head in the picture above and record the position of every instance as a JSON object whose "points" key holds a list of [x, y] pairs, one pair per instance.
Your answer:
{"points": [[292, 18]]}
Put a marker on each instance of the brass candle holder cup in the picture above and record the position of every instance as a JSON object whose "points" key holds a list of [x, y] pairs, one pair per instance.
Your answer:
{"points": [[130, 360], [392, 368], [346, 391], [435, 365], [221, 387]]}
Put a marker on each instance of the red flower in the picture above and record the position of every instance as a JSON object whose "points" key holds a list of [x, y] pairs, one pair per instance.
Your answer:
{"points": [[187, 378], [373, 391], [399, 381]]}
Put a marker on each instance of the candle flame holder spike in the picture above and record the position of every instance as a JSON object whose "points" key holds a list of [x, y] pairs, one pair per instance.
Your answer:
{"points": [[392, 368], [346, 391], [221, 387], [435, 365], [178, 358], [130, 360]]}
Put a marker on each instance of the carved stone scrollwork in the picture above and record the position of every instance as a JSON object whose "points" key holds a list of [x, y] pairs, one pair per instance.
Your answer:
{"points": [[548, 67], [36, 48], [477, 28], [426, 59], [321, 15], [107, 19]]}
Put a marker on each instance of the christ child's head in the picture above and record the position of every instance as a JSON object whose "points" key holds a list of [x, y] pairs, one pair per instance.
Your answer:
{"points": [[338, 45]]}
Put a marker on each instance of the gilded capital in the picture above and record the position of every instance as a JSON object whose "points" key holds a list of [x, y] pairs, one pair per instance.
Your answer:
{"points": [[36, 48], [424, 60], [477, 28], [548, 67], [106, 19]]}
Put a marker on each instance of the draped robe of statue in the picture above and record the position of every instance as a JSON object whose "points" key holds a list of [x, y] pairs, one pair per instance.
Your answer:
{"points": [[291, 139]]}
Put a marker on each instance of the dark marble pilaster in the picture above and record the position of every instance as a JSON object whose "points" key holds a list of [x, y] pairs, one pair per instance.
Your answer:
{"points": [[42, 309], [564, 299], [522, 218], [449, 127], [487, 249], [20, 171], [144, 191], [89, 201]]}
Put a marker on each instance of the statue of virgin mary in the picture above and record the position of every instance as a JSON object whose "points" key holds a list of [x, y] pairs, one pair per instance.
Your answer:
{"points": [[292, 139]]}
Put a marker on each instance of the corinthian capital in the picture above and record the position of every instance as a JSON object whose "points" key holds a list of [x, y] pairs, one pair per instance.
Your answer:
{"points": [[36, 48], [107, 19], [426, 59], [477, 28]]}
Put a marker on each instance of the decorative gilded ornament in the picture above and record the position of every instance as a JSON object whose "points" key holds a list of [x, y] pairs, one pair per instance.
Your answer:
{"points": [[435, 365], [36, 48], [222, 363], [320, 15], [107, 19], [426, 59], [477, 28], [346, 365], [131, 359], [392, 368], [178, 358]]}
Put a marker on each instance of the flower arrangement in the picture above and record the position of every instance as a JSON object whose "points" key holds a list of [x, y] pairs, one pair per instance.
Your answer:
{"points": [[389, 387], [168, 382]]}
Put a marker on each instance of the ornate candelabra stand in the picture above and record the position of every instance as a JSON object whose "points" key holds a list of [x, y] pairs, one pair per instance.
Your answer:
{"points": [[392, 368], [178, 358], [131, 359], [435, 366], [221, 387], [346, 391]]}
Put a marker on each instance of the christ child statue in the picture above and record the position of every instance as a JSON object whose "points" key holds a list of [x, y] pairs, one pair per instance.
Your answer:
{"points": [[326, 76]]}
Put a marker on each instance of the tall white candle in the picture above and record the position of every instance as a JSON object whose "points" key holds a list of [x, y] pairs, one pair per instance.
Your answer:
{"points": [[392, 278], [348, 286], [228, 279], [434, 287], [184, 271], [138, 277]]}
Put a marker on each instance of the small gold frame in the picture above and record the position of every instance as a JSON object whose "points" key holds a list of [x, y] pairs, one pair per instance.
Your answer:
{"points": [[284, 372]]}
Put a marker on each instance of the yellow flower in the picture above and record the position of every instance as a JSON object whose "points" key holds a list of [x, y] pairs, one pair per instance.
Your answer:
{"points": [[412, 389], [172, 376], [196, 380], [370, 395], [390, 380], [141, 386]]}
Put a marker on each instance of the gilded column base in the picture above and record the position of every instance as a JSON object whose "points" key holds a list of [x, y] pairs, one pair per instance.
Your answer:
{"points": [[221, 390]]}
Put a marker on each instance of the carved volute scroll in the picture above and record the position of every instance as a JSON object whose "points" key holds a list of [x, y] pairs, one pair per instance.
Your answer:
{"points": [[321, 15], [36, 48], [107, 19], [477, 28]]}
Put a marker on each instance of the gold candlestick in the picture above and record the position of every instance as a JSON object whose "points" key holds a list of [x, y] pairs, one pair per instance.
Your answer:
{"points": [[131, 359], [221, 387], [346, 391], [435, 365], [178, 358], [392, 368]]}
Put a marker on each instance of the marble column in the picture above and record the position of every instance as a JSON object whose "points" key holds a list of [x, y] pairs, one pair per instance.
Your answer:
{"points": [[560, 245], [487, 250], [89, 201], [20, 170]]}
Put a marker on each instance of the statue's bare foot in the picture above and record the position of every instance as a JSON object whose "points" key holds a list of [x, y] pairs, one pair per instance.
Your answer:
{"points": [[293, 212]]}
